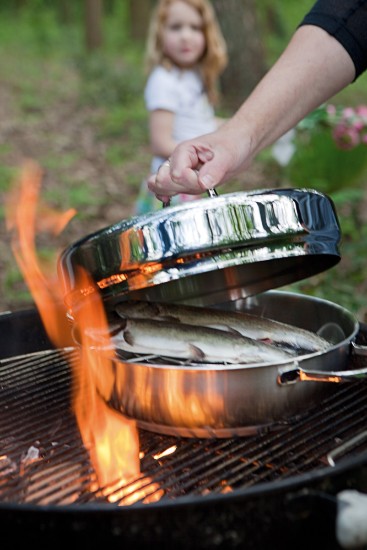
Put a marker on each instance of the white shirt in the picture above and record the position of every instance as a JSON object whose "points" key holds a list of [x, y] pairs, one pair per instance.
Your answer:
{"points": [[180, 91]]}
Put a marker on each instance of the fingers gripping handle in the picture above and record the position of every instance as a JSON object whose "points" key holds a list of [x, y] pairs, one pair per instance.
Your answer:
{"points": [[211, 192]]}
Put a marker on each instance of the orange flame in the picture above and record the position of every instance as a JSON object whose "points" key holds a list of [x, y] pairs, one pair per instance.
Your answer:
{"points": [[110, 438], [23, 219]]}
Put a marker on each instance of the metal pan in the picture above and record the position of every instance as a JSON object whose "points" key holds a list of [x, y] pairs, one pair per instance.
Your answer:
{"points": [[209, 400], [209, 250]]}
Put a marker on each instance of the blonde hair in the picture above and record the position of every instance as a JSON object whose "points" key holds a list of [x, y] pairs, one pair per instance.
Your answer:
{"points": [[214, 59]]}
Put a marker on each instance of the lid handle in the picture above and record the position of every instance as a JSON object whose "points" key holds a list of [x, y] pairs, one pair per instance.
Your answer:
{"points": [[211, 193]]}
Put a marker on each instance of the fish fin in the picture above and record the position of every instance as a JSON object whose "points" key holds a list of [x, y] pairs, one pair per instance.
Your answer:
{"points": [[120, 312], [116, 327], [196, 352], [128, 337], [233, 330], [269, 341]]}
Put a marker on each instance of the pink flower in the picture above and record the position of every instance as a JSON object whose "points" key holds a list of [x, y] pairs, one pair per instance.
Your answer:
{"points": [[348, 112], [357, 124], [345, 137], [361, 110], [348, 125]]}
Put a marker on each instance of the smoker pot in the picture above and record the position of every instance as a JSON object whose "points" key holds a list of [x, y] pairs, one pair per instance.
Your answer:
{"points": [[217, 400], [230, 250]]}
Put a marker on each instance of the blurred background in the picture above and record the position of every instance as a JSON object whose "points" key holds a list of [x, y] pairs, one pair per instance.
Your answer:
{"points": [[71, 99]]}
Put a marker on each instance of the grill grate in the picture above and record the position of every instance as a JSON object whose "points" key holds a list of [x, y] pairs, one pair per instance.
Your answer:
{"points": [[43, 461]]}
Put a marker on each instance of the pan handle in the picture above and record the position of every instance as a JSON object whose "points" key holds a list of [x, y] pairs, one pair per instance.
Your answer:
{"points": [[359, 349], [291, 376]]}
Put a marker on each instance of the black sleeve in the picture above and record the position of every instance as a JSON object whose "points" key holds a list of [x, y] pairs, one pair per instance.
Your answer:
{"points": [[346, 20]]}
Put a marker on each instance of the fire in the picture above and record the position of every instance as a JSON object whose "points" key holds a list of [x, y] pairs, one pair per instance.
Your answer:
{"points": [[110, 438], [25, 221], [166, 452]]}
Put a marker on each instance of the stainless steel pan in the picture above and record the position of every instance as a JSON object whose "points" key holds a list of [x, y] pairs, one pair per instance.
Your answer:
{"points": [[225, 400]]}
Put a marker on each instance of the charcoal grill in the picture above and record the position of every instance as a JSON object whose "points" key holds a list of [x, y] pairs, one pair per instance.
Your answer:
{"points": [[274, 489]]}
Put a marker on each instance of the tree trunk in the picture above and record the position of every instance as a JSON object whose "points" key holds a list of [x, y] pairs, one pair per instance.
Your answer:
{"points": [[93, 24], [241, 30], [64, 12], [140, 13]]}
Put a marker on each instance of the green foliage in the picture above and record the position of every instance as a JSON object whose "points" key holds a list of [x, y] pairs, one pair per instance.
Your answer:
{"points": [[318, 163], [65, 160], [341, 284], [108, 82], [7, 174], [14, 286], [73, 193], [278, 22], [119, 122]]}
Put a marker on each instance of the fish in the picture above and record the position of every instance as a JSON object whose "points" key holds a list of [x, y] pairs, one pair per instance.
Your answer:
{"points": [[246, 324], [188, 342]]}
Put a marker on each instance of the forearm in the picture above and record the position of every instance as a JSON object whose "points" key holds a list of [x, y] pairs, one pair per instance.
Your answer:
{"points": [[161, 129], [163, 147], [285, 95]]}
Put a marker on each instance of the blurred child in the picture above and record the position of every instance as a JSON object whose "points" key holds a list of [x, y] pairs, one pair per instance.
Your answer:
{"points": [[185, 55]]}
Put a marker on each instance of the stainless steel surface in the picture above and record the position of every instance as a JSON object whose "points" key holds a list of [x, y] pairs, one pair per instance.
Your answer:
{"points": [[212, 193], [223, 400], [210, 250]]}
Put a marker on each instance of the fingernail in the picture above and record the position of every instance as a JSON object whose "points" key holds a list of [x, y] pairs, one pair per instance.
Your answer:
{"points": [[205, 156], [207, 181]]}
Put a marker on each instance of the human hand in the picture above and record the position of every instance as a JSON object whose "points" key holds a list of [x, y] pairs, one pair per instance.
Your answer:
{"points": [[200, 164]]}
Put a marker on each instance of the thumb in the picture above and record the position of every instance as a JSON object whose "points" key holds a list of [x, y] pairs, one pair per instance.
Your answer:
{"points": [[211, 173]]}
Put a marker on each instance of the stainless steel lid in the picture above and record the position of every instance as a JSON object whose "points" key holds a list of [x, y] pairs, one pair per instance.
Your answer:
{"points": [[236, 245]]}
